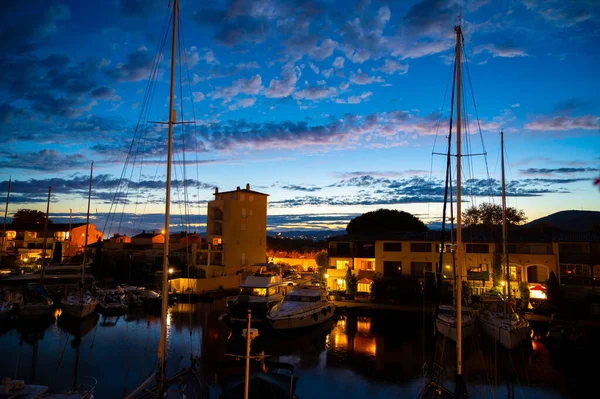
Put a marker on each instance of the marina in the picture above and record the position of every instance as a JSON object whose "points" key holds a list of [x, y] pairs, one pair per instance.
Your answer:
{"points": [[351, 356]]}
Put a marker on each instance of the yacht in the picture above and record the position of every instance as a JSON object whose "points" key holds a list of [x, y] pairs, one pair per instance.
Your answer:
{"points": [[112, 302], [445, 322], [304, 306], [509, 329], [259, 293]]}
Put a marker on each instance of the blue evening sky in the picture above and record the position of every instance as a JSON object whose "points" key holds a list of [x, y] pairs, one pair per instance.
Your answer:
{"points": [[333, 108]]}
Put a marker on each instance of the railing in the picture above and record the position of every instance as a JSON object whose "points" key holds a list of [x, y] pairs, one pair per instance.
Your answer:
{"points": [[341, 253]]}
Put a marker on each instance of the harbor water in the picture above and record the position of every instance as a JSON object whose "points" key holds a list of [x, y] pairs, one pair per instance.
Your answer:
{"points": [[376, 355]]}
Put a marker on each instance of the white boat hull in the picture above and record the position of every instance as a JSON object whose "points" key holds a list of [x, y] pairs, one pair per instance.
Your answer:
{"points": [[305, 319], [79, 309], [502, 333], [448, 330]]}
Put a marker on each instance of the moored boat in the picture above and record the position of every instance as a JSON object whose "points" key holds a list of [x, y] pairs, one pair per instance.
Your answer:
{"points": [[445, 322], [259, 293], [304, 306]]}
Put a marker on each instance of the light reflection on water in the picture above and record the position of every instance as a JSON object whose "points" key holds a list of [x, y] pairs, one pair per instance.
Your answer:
{"points": [[351, 357]]}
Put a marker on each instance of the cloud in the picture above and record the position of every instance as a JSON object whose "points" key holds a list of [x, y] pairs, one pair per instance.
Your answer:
{"points": [[355, 99], [315, 93], [43, 160], [550, 171], [295, 187], [105, 93], [507, 50], [284, 87], [563, 123], [338, 63], [361, 78], [517, 105], [560, 13], [198, 96], [242, 29], [243, 103], [250, 86], [138, 66], [390, 67]]}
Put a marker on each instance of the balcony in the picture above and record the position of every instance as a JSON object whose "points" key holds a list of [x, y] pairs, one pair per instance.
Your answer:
{"points": [[478, 276], [340, 253]]}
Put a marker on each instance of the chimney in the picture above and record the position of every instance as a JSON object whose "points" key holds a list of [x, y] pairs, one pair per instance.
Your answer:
{"points": [[238, 188], [216, 190], [248, 186]]}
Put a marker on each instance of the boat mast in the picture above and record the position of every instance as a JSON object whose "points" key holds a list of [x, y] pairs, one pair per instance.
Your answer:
{"points": [[45, 235], [504, 222], [87, 227], [162, 363], [460, 389], [4, 227]]}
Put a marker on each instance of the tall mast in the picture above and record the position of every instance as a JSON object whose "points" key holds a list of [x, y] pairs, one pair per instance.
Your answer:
{"points": [[162, 363], [460, 389], [4, 227], [87, 229], [45, 235], [504, 222], [70, 231]]}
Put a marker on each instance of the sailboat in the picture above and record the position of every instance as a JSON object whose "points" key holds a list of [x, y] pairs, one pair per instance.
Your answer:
{"points": [[434, 388], [82, 304], [505, 326], [178, 385]]}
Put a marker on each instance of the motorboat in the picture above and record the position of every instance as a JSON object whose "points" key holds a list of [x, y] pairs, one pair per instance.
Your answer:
{"points": [[133, 295], [112, 303], [259, 292], [304, 306], [445, 322]]}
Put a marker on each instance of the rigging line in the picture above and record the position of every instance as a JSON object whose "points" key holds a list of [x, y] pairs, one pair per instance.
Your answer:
{"points": [[148, 84], [478, 122], [195, 138], [183, 165], [437, 128], [146, 111]]}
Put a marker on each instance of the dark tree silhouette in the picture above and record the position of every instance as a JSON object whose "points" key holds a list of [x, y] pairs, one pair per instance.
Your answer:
{"points": [[29, 216], [57, 253], [385, 220], [488, 214]]}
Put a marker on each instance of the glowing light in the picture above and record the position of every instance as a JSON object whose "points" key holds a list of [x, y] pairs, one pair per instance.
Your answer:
{"points": [[503, 283], [162, 231], [340, 281], [326, 275], [25, 260], [170, 270], [83, 234]]}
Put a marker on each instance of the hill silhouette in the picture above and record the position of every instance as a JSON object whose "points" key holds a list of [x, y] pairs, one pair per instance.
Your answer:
{"points": [[569, 221]]}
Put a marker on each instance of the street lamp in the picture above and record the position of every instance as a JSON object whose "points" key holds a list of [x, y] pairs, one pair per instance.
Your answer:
{"points": [[170, 273]]}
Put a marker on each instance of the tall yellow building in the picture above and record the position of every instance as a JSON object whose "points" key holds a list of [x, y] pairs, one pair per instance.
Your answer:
{"points": [[236, 232]]}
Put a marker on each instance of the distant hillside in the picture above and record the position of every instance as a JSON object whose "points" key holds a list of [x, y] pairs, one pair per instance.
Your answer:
{"points": [[569, 221], [316, 235]]}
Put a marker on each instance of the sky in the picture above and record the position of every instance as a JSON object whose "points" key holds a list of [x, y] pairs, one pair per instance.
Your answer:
{"points": [[333, 108]]}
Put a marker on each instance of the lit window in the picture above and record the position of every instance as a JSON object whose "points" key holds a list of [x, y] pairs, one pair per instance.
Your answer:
{"points": [[341, 264]]}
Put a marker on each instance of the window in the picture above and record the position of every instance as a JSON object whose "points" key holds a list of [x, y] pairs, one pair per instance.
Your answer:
{"points": [[478, 248], [272, 291], [253, 291], [342, 264], [367, 265], [448, 248], [242, 197], [420, 247], [392, 268], [243, 212], [364, 287], [251, 198], [392, 246]]}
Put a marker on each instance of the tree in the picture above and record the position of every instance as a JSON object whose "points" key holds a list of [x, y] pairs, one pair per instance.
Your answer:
{"points": [[554, 291], [29, 216], [385, 220], [351, 284], [322, 261], [488, 214]]}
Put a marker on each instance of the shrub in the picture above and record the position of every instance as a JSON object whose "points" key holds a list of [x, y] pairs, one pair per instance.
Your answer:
{"points": [[525, 294]]}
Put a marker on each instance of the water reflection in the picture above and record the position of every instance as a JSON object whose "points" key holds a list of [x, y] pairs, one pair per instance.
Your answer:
{"points": [[351, 357]]}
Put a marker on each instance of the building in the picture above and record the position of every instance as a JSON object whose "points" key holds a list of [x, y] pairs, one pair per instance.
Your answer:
{"points": [[574, 258], [236, 232], [26, 242]]}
